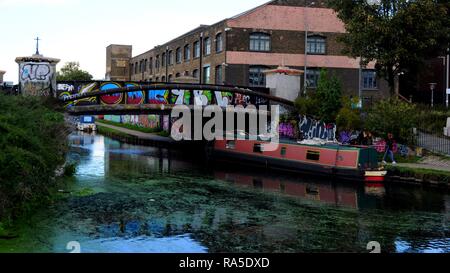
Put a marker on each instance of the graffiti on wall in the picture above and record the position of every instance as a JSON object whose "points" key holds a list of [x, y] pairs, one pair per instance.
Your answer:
{"points": [[400, 149], [36, 79], [311, 129], [287, 130], [145, 121]]}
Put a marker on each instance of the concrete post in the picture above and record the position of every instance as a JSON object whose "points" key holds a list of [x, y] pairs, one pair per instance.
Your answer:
{"points": [[37, 75]]}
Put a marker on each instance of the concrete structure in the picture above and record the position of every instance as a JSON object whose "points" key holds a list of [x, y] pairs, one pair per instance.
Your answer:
{"points": [[284, 82], [118, 62], [447, 129], [37, 75], [1, 75], [236, 51]]}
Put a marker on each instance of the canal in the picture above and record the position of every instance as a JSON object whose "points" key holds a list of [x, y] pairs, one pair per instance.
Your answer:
{"points": [[129, 198]]}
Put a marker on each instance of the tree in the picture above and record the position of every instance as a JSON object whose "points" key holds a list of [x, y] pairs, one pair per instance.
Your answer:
{"points": [[71, 72], [349, 117], [393, 116], [397, 34], [326, 102]]}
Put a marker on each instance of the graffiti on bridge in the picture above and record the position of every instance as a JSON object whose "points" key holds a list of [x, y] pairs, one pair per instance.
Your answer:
{"points": [[163, 96], [312, 129], [145, 121]]}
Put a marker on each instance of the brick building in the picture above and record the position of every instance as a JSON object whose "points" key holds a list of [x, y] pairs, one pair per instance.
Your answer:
{"points": [[237, 50], [1, 76]]}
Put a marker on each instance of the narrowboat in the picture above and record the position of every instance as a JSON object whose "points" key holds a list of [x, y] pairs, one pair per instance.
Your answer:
{"points": [[346, 162]]}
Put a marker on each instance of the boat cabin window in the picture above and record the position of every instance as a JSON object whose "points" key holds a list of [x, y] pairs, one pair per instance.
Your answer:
{"points": [[231, 145], [313, 155], [283, 151], [258, 148]]}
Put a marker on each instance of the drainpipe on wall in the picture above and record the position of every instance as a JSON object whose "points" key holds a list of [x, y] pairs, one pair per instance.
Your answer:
{"points": [[305, 84], [167, 63], [448, 78], [201, 59]]}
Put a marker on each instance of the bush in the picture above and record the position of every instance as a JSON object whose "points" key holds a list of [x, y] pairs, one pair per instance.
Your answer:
{"points": [[32, 146], [348, 118], [393, 116], [325, 103]]}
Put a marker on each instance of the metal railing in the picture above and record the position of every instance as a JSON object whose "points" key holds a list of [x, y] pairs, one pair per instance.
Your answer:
{"points": [[433, 141]]}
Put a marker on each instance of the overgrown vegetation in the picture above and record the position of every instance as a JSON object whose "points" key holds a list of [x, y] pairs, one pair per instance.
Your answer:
{"points": [[32, 147], [432, 120], [393, 116], [325, 103]]}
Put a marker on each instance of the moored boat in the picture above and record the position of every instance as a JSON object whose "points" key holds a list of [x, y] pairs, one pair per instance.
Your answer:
{"points": [[348, 162]]}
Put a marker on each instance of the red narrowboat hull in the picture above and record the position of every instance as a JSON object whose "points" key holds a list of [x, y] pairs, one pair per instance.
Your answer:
{"points": [[355, 163]]}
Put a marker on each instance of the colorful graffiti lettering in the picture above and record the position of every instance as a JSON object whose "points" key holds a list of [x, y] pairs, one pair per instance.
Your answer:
{"points": [[311, 129], [158, 97], [137, 97], [202, 98], [287, 130], [36, 79], [224, 99], [180, 97], [113, 99]]}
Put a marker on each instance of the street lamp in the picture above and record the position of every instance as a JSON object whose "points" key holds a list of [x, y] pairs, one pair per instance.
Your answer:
{"points": [[432, 88]]}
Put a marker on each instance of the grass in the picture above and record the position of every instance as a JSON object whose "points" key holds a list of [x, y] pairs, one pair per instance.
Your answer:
{"points": [[426, 175], [132, 127]]}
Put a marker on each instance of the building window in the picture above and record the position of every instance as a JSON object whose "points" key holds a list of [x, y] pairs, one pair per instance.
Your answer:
{"points": [[219, 77], [219, 42], [169, 79], [150, 66], [157, 79], [136, 67], [186, 73], [187, 52], [163, 78], [177, 75], [132, 68], [197, 49], [316, 45], [195, 73], [312, 78], [163, 59], [206, 74], [369, 79], [145, 65], [178, 58], [256, 76], [207, 46], [157, 62], [260, 42], [171, 57]]}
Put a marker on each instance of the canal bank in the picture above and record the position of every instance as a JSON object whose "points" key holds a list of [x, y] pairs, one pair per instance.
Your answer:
{"points": [[426, 174], [132, 198], [33, 145]]}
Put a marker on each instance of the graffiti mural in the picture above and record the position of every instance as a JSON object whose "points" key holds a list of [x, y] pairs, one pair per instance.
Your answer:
{"points": [[162, 96], [36, 79], [311, 129], [158, 97], [347, 138], [287, 130], [137, 97], [399, 149]]}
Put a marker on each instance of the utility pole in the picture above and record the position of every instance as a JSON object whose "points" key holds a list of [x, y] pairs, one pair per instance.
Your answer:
{"points": [[305, 83]]}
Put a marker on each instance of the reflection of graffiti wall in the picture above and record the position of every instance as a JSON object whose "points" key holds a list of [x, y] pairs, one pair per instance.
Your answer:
{"points": [[37, 78], [311, 129]]}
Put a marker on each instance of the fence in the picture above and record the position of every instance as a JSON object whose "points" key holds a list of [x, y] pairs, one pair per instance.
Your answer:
{"points": [[435, 142]]}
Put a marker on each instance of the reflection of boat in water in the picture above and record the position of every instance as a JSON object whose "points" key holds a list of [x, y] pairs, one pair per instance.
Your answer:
{"points": [[349, 162], [325, 192]]}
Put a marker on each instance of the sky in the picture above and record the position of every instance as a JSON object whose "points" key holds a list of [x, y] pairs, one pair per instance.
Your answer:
{"points": [[80, 30]]}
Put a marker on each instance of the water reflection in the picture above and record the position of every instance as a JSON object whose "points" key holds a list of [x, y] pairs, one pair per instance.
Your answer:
{"points": [[128, 198]]}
